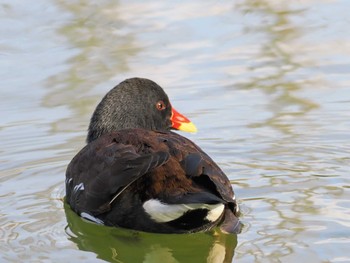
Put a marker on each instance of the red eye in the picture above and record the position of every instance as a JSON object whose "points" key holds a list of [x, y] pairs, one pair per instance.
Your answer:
{"points": [[160, 105]]}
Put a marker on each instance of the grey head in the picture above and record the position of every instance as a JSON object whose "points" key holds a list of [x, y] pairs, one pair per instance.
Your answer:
{"points": [[134, 103]]}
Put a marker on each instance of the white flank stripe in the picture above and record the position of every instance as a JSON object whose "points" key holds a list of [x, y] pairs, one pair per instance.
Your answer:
{"points": [[68, 180], [215, 213], [78, 187], [91, 218], [161, 212]]}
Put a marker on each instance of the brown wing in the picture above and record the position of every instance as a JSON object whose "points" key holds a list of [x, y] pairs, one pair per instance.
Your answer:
{"points": [[103, 169], [207, 175], [200, 167]]}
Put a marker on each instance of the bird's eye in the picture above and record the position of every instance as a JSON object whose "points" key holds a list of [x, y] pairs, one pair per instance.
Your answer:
{"points": [[160, 105]]}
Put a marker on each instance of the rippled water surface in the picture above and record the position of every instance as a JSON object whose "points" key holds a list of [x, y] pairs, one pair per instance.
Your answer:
{"points": [[266, 83]]}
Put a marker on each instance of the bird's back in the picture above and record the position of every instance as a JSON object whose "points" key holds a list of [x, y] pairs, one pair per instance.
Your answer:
{"points": [[150, 181]]}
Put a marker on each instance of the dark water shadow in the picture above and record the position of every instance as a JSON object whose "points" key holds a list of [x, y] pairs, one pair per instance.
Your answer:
{"points": [[122, 245]]}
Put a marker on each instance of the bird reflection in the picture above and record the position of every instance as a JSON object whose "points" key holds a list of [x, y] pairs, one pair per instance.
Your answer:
{"points": [[122, 245]]}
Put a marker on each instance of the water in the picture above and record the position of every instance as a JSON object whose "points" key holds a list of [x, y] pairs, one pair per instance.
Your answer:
{"points": [[266, 83]]}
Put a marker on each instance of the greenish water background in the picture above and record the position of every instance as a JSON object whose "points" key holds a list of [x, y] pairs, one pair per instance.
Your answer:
{"points": [[266, 82]]}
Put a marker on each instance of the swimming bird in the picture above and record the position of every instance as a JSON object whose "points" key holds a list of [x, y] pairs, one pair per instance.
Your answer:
{"points": [[136, 173]]}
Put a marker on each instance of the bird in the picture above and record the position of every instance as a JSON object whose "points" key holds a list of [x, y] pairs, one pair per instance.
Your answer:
{"points": [[135, 172]]}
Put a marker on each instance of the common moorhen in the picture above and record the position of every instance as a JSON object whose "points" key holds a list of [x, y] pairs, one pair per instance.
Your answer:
{"points": [[135, 173]]}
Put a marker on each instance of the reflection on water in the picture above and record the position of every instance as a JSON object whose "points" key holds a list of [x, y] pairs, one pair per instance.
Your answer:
{"points": [[121, 245], [101, 49], [275, 68], [280, 70], [280, 131]]}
